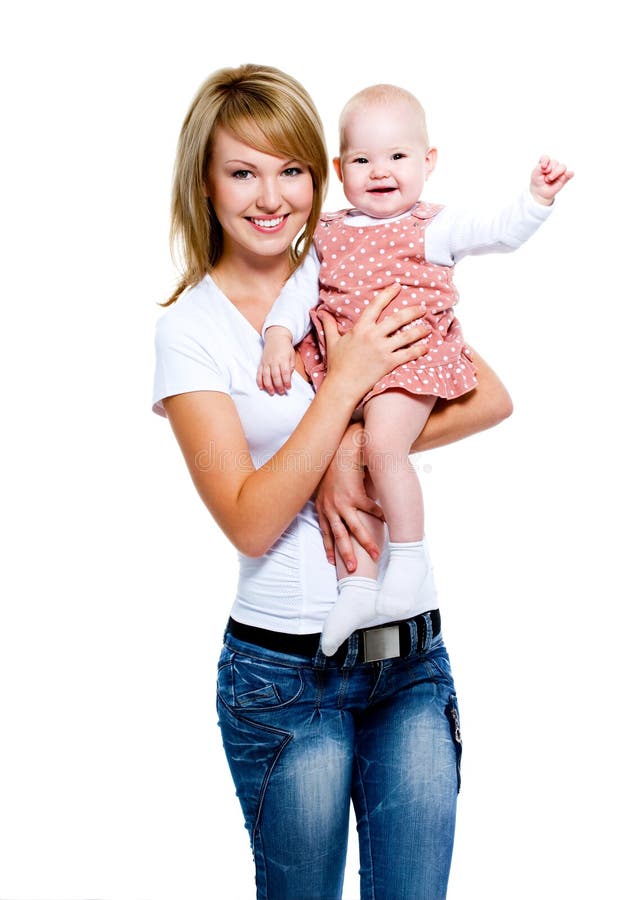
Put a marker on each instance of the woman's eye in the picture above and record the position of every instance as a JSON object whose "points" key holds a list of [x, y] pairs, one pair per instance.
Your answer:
{"points": [[291, 171], [242, 174]]}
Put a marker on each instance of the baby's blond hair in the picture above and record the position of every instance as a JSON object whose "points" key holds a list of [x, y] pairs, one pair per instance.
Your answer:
{"points": [[380, 95]]}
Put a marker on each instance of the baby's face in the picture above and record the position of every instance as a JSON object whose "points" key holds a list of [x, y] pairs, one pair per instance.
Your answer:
{"points": [[385, 160]]}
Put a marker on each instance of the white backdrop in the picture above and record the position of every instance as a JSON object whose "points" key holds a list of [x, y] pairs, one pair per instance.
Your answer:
{"points": [[116, 583]]}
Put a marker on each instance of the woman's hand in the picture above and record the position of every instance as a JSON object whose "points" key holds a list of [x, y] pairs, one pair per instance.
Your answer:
{"points": [[375, 345], [339, 498]]}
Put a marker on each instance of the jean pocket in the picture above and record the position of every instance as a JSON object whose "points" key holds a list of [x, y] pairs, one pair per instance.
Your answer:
{"points": [[248, 683], [452, 713], [437, 662]]}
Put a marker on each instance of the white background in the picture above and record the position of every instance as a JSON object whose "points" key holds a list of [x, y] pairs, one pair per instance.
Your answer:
{"points": [[117, 585]]}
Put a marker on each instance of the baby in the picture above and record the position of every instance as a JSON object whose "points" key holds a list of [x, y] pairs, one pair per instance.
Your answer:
{"points": [[390, 236]]}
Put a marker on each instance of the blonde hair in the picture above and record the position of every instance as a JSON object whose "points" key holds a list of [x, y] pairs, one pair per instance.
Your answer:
{"points": [[264, 108], [380, 95]]}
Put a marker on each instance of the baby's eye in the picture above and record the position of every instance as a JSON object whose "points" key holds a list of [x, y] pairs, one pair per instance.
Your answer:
{"points": [[398, 155], [361, 160], [242, 174]]}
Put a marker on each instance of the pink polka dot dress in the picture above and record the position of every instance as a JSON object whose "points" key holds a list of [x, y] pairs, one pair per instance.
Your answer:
{"points": [[356, 263]]}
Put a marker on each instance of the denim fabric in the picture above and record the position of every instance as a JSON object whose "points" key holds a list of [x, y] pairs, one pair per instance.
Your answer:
{"points": [[305, 737]]}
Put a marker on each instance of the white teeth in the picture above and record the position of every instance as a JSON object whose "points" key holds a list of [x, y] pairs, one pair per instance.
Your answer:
{"points": [[267, 223]]}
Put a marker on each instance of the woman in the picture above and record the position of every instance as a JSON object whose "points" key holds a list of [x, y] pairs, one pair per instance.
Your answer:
{"points": [[304, 734]]}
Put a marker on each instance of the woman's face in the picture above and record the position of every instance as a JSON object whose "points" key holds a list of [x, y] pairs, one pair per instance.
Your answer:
{"points": [[261, 201]]}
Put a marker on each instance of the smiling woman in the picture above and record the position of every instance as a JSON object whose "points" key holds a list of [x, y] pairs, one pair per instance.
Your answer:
{"points": [[262, 201], [272, 115], [305, 733]]}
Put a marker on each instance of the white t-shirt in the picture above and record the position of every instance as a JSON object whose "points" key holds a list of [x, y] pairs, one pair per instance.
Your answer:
{"points": [[203, 343]]}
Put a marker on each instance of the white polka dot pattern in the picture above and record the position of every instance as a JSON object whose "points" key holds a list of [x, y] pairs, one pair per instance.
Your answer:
{"points": [[446, 370]]}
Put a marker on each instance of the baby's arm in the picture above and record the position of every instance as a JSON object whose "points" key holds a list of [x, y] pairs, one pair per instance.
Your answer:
{"points": [[278, 360], [287, 323], [454, 234]]}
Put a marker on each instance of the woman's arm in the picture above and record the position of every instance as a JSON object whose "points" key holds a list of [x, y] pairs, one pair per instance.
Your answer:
{"points": [[341, 493], [451, 420], [254, 506]]}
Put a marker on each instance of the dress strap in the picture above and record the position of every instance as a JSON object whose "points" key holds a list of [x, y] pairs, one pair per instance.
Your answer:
{"points": [[334, 216], [426, 211]]}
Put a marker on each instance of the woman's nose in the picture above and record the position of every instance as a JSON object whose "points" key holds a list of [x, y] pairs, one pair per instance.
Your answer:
{"points": [[269, 195]]}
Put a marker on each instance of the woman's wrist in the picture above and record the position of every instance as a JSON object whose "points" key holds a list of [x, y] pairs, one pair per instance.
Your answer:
{"points": [[351, 445], [341, 390]]}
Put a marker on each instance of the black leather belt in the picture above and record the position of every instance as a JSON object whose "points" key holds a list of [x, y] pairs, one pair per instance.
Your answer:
{"points": [[383, 642]]}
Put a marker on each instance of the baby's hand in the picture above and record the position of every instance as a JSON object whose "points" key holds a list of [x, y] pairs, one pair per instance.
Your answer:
{"points": [[278, 361], [547, 179]]}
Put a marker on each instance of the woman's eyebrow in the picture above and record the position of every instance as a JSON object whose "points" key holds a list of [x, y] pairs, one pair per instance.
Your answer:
{"points": [[250, 165], [241, 162]]}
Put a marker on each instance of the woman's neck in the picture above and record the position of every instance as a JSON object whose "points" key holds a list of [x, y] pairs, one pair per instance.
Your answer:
{"points": [[244, 280], [252, 287]]}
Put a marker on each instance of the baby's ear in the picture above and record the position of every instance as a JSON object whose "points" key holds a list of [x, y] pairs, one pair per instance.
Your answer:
{"points": [[337, 167], [430, 160]]}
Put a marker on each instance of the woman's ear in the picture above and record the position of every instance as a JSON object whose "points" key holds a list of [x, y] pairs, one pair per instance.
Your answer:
{"points": [[430, 160], [337, 167]]}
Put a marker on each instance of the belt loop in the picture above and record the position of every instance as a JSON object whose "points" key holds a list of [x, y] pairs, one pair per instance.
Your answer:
{"points": [[319, 660], [352, 651], [428, 636], [415, 639]]}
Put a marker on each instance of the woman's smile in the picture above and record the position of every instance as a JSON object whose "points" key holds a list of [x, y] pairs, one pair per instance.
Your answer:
{"points": [[268, 224]]}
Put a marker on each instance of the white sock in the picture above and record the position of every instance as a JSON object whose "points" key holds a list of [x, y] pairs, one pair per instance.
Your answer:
{"points": [[354, 608], [400, 591]]}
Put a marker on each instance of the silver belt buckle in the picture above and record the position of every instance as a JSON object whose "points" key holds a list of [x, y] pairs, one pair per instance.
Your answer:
{"points": [[381, 643]]}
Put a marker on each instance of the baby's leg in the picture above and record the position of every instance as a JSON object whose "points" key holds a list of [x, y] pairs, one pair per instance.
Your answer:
{"points": [[393, 420], [355, 606]]}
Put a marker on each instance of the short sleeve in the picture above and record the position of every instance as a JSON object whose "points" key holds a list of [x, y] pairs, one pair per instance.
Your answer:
{"points": [[183, 364]]}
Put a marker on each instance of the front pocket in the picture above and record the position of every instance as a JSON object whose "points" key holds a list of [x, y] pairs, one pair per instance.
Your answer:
{"points": [[438, 664], [253, 684], [263, 696]]}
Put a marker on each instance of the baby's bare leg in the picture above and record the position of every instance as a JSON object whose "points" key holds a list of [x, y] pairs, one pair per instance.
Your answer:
{"points": [[392, 422]]}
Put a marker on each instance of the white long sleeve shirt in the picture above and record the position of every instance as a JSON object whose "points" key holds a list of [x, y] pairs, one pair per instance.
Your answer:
{"points": [[450, 236]]}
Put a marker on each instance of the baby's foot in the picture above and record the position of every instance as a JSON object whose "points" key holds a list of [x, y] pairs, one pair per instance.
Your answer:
{"points": [[354, 608], [400, 592]]}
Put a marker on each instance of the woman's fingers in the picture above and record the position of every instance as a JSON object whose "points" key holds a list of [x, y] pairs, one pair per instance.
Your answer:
{"points": [[372, 348], [336, 539], [337, 533], [327, 535], [370, 506], [376, 305], [343, 545], [403, 317], [331, 333], [359, 531]]}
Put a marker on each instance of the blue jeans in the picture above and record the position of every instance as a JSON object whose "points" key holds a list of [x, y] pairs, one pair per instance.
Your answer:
{"points": [[305, 737]]}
